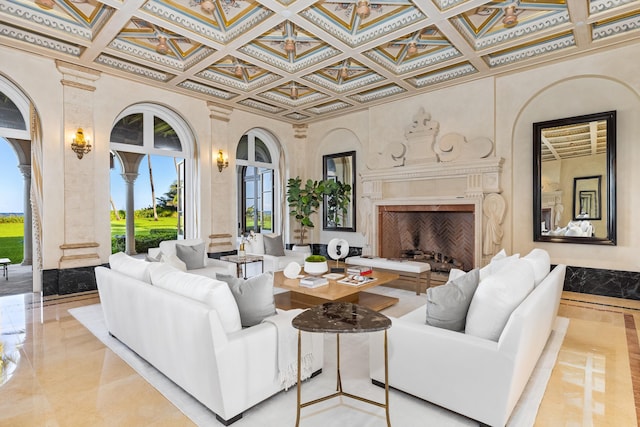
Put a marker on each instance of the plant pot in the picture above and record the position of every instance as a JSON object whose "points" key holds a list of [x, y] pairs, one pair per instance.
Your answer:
{"points": [[316, 268], [302, 248]]}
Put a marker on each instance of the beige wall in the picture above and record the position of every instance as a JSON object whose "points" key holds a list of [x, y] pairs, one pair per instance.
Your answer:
{"points": [[501, 109]]}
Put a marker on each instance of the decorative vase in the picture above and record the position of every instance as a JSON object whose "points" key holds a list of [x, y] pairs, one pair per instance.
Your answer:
{"points": [[316, 268]]}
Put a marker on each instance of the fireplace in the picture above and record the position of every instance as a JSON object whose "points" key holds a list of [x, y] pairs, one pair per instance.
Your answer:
{"points": [[442, 235]]}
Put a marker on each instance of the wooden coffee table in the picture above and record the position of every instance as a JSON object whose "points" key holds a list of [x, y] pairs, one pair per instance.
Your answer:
{"points": [[301, 297]]}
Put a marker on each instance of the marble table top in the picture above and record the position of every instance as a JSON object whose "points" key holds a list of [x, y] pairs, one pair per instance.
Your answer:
{"points": [[340, 317]]}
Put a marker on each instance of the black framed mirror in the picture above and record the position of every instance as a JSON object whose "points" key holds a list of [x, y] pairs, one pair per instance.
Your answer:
{"points": [[574, 179], [340, 170]]}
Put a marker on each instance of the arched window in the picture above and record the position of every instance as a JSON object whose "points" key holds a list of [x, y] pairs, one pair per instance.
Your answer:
{"points": [[256, 160], [159, 138]]}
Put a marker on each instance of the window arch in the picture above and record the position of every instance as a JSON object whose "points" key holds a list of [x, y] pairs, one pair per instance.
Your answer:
{"points": [[258, 177], [154, 130]]}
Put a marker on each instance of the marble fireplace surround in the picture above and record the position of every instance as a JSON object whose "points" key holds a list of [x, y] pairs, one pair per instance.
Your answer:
{"points": [[474, 182]]}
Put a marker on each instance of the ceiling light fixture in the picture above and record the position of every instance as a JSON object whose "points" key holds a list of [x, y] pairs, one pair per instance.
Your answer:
{"points": [[238, 70], [162, 47], [294, 91], [510, 18], [207, 6], [412, 48], [362, 9], [344, 73], [45, 4]]}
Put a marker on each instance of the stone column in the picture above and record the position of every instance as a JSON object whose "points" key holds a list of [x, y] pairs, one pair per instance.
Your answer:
{"points": [[26, 173], [130, 239]]}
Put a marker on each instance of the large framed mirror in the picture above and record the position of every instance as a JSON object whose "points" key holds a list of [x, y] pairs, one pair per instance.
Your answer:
{"points": [[574, 182], [340, 170]]}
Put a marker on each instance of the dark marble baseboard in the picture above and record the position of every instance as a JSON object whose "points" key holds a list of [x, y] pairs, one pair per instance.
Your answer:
{"points": [[609, 283], [68, 281]]}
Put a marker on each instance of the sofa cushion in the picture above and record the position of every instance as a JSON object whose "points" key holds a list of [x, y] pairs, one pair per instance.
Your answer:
{"points": [[214, 293], [273, 245], [191, 255], [447, 305], [132, 267], [173, 261], [498, 262], [254, 297], [255, 244], [541, 264], [496, 298]]}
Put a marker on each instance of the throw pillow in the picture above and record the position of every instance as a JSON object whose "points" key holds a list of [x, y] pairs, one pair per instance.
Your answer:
{"points": [[273, 245], [254, 297], [150, 258], [541, 264], [256, 244], [497, 263], [496, 298], [447, 305], [191, 255], [213, 293], [132, 267], [174, 261]]}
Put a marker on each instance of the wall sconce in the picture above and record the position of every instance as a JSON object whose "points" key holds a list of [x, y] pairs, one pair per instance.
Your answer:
{"points": [[222, 161], [80, 144]]}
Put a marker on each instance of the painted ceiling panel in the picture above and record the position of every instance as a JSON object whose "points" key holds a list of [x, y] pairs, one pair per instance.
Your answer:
{"points": [[302, 60]]}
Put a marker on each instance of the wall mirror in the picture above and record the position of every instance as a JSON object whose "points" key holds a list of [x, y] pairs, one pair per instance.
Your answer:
{"points": [[340, 168], [574, 182]]}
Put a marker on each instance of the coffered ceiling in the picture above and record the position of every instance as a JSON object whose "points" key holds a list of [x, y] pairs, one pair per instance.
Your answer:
{"points": [[305, 60]]}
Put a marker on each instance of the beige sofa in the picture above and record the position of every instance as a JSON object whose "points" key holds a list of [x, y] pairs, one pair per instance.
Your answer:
{"points": [[210, 267], [271, 248]]}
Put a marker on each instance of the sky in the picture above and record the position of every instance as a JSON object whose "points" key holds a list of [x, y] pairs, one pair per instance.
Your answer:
{"points": [[12, 197]]}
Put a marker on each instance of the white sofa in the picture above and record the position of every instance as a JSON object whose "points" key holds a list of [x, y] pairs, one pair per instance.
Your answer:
{"points": [[476, 377], [212, 266], [187, 339], [273, 259]]}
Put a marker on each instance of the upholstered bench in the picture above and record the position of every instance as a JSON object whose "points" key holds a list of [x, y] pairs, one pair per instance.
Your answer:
{"points": [[413, 271]]}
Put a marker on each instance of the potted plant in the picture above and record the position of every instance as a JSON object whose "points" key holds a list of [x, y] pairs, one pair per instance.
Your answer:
{"points": [[303, 201], [338, 197], [315, 265]]}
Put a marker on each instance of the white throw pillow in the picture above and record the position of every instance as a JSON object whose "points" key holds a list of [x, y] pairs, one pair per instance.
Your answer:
{"points": [[257, 245], [173, 261], [132, 267], [541, 264], [214, 293], [496, 298], [497, 263]]}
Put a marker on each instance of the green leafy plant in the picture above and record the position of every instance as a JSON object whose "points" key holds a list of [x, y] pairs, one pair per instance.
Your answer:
{"points": [[338, 198], [315, 258], [304, 201]]}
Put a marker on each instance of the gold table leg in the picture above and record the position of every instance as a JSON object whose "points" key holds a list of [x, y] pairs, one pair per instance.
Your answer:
{"points": [[299, 369]]}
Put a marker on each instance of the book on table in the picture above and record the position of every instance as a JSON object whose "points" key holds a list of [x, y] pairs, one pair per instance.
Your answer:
{"points": [[313, 281], [359, 270], [356, 280]]}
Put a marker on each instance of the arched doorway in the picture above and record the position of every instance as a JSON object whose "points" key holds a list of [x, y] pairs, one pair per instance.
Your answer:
{"points": [[19, 129], [153, 135]]}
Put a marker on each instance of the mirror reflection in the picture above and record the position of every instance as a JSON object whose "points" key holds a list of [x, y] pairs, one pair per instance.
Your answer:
{"points": [[340, 168], [574, 182]]}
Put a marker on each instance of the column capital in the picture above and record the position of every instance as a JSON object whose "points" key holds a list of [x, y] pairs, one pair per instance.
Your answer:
{"points": [[25, 170], [219, 111], [77, 76], [130, 177], [300, 131]]}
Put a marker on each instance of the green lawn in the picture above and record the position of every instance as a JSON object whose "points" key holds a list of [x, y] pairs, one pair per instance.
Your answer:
{"points": [[12, 241], [144, 225]]}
